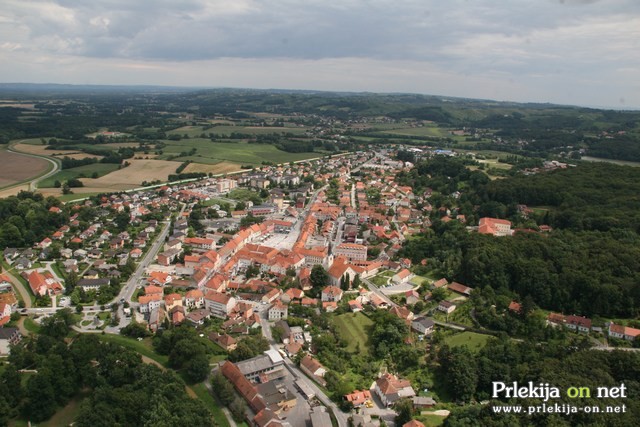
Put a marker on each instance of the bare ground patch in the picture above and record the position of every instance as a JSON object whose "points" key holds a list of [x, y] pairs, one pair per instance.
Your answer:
{"points": [[16, 168]]}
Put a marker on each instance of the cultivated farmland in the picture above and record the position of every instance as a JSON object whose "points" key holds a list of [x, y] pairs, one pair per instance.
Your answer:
{"points": [[17, 168], [133, 175]]}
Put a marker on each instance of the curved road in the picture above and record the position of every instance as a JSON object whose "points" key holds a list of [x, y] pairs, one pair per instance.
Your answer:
{"points": [[33, 184]]}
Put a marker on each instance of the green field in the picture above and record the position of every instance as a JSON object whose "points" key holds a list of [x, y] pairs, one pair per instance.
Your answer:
{"points": [[434, 131], [85, 171], [237, 152], [354, 328], [431, 420], [474, 341], [196, 131]]}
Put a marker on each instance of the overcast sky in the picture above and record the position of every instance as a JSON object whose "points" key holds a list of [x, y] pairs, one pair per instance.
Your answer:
{"points": [[582, 52]]}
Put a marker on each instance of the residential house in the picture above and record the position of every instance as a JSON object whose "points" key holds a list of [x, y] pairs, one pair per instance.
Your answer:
{"points": [[403, 276], [172, 300], [579, 323], [412, 297], [194, 299], [460, 288], [8, 337], [227, 342], [43, 283], [278, 311], [358, 397], [331, 293], [422, 325], [623, 332], [390, 389], [313, 368], [218, 304], [446, 306], [148, 303], [93, 284]]}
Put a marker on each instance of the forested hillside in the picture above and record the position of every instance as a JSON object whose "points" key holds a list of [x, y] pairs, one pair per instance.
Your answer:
{"points": [[589, 264]]}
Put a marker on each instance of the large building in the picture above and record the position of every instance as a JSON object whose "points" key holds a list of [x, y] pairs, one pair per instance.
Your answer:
{"points": [[495, 226], [263, 368], [218, 304], [351, 251]]}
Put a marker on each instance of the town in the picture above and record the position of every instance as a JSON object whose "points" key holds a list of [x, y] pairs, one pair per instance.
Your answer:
{"points": [[304, 255]]}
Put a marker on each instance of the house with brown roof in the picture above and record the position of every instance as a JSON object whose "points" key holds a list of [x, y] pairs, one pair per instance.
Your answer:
{"points": [[623, 332], [440, 283], [495, 227], [194, 299], [358, 397], [149, 302], [227, 342], [403, 276], [172, 300], [278, 311], [44, 283], [579, 323], [460, 288], [390, 389], [446, 306], [313, 368], [218, 304], [515, 307], [331, 293]]}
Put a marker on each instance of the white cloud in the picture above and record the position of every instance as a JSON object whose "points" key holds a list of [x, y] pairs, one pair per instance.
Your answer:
{"points": [[510, 50]]}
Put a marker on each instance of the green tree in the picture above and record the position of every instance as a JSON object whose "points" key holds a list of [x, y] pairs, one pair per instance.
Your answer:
{"points": [[404, 409], [319, 277], [40, 396], [197, 368], [222, 388], [238, 409]]}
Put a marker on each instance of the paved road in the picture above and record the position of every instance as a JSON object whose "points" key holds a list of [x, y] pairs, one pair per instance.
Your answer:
{"points": [[17, 285], [341, 417]]}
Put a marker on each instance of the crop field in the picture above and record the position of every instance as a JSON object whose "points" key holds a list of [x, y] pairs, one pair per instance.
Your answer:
{"points": [[216, 168], [420, 131], [235, 152], [354, 328], [17, 168], [41, 150], [133, 175], [79, 172], [196, 131]]}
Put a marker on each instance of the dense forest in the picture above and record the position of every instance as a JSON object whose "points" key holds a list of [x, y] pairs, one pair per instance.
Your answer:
{"points": [[25, 219], [587, 265], [119, 388], [471, 376]]}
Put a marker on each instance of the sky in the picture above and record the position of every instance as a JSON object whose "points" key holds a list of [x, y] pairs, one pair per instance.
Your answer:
{"points": [[578, 52]]}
